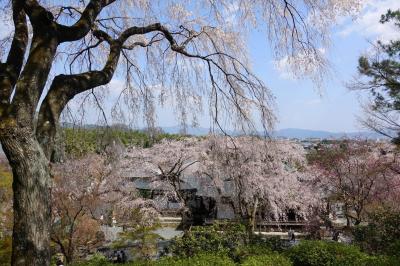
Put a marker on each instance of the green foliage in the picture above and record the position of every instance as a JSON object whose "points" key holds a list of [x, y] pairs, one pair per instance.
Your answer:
{"points": [[142, 235], [230, 239], [145, 241], [383, 73], [320, 253], [382, 234], [307, 253], [6, 214], [273, 243], [80, 141], [95, 260], [256, 253], [220, 238], [5, 250], [258, 246], [379, 261], [230, 244], [243, 252], [274, 259], [6, 211], [5, 177], [144, 193], [203, 259]]}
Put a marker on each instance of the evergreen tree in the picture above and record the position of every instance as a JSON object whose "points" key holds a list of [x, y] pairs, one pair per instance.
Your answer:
{"points": [[382, 71]]}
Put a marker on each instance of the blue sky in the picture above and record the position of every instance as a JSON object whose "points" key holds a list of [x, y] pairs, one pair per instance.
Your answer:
{"points": [[299, 103], [334, 108]]}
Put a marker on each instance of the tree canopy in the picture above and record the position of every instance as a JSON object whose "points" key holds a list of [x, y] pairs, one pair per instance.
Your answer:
{"points": [[380, 75]]}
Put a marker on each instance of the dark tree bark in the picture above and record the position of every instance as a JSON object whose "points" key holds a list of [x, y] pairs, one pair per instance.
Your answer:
{"points": [[31, 187], [26, 155]]}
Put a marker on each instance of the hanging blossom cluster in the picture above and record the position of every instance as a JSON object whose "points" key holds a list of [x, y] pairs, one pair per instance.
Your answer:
{"points": [[246, 169], [94, 186], [166, 164], [271, 172]]}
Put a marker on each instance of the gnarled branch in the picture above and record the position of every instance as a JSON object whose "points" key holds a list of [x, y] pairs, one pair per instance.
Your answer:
{"points": [[9, 71], [84, 24]]}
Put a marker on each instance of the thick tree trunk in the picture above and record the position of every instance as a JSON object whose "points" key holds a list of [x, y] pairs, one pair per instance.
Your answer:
{"points": [[32, 187], [346, 213], [187, 220], [253, 216], [358, 216]]}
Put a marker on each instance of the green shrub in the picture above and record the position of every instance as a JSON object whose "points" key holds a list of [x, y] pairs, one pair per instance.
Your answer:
{"points": [[381, 235], [95, 260], [307, 253], [143, 236], [222, 238], [80, 141], [252, 250], [274, 243], [241, 253], [274, 259], [203, 259], [321, 253], [379, 261]]}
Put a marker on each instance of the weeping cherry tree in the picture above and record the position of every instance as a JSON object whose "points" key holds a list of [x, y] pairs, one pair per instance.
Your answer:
{"points": [[193, 52]]}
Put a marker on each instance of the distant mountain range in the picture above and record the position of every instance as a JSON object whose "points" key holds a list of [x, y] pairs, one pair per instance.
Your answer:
{"points": [[284, 133], [306, 133], [291, 133]]}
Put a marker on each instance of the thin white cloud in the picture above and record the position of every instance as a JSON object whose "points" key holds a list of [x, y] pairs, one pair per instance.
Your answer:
{"points": [[367, 23]]}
